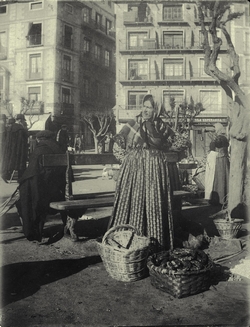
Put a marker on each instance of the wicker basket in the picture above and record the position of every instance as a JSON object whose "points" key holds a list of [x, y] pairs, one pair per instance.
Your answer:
{"points": [[124, 253], [179, 283], [228, 229], [199, 179]]}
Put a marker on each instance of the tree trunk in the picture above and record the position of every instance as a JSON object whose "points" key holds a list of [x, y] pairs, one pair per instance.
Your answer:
{"points": [[96, 144], [237, 174]]}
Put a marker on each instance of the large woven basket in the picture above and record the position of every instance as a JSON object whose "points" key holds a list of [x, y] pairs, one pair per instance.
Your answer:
{"points": [[228, 229], [179, 283], [124, 253]]}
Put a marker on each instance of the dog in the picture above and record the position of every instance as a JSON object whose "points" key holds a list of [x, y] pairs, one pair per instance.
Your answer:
{"points": [[107, 173]]}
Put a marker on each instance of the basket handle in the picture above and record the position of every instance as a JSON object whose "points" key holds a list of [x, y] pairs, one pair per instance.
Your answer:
{"points": [[112, 229]]}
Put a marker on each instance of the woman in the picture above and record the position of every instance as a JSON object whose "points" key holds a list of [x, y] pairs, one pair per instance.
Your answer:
{"points": [[217, 168], [143, 185]]}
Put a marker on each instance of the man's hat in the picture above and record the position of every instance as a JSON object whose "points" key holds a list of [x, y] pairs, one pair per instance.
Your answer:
{"points": [[11, 121], [45, 135], [3, 117], [20, 116]]}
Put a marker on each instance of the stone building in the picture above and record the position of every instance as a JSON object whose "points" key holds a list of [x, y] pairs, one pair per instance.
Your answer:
{"points": [[60, 54], [159, 50]]}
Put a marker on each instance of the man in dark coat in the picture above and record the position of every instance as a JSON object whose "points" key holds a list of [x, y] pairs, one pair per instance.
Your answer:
{"points": [[39, 186], [15, 152]]}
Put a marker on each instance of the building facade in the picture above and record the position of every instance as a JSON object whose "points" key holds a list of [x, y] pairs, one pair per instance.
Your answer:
{"points": [[60, 54], [159, 51]]}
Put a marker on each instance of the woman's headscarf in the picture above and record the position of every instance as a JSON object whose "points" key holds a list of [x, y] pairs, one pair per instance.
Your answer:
{"points": [[219, 129], [149, 97]]}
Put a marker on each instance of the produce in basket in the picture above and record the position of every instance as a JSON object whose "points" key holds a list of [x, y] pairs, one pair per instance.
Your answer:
{"points": [[180, 260], [180, 272]]}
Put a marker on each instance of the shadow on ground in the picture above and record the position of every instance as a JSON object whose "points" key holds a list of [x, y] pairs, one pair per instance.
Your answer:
{"points": [[25, 278]]}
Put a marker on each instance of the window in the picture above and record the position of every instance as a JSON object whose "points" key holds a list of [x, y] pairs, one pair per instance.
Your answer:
{"points": [[173, 40], [248, 69], [86, 47], [34, 93], [140, 10], [211, 100], [98, 49], [98, 19], [36, 5], [108, 26], [69, 8], [3, 10], [85, 84], [138, 69], [136, 39], [66, 95], [169, 95], [135, 100], [66, 67], [3, 45], [172, 13], [107, 58], [86, 14], [68, 34], [173, 68], [35, 34], [109, 4], [35, 70]]}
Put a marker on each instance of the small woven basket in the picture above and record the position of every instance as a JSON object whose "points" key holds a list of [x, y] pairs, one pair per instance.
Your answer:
{"points": [[228, 229], [179, 283], [124, 253]]}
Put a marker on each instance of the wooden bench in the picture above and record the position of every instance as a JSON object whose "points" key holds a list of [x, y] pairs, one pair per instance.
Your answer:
{"points": [[86, 200], [77, 204]]}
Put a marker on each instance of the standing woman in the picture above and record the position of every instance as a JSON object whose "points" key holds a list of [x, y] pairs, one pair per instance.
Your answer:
{"points": [[217, 168], [145, 177]]}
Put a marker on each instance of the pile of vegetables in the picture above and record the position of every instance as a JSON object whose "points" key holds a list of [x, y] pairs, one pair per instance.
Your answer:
{"points": [[179, 260]]}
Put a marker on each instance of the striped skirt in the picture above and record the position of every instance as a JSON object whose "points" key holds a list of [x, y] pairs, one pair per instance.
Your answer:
{"points": [[141, 197]]}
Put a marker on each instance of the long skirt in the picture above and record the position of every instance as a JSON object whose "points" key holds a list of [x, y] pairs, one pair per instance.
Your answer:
{"points": [[141, 197]]}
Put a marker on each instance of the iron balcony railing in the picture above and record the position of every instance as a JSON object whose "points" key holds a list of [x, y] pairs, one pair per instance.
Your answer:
{"points": [[98, 26], [153, 44], [35, 40], [89, 56], [67, 75], [34, 75]]}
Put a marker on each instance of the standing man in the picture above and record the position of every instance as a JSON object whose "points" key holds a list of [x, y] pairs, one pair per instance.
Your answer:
{"points": [[63, 138]]}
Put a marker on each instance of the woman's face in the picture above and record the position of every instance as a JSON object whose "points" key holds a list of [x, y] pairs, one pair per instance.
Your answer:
{"points": [[147, 110]]}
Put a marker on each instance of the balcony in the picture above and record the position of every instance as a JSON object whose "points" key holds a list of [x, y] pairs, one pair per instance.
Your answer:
{"points": [[153, 46], [67, 42], [186, 77], [102, 62], [35, 40], [67, 75], [32, 76], [67, 109], [93, 24]]}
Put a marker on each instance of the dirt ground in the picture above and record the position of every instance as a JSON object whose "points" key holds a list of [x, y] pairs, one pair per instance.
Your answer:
{"points": [[61, 283]]}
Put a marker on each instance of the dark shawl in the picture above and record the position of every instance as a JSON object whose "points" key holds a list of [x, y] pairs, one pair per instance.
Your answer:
{"points": [[39, 186]]}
